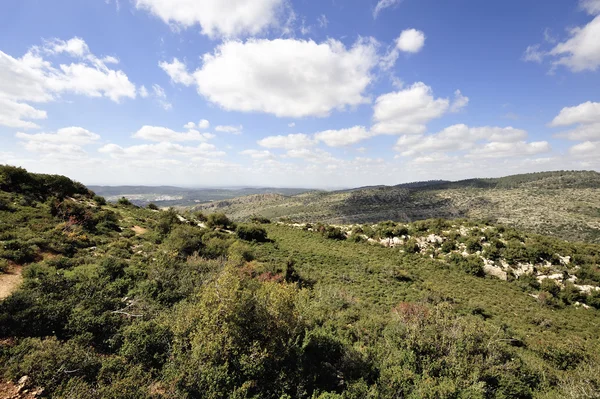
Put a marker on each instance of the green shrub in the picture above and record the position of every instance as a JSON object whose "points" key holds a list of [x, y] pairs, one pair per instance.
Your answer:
{"points": [[152, 207], [3, 265], [219, 221], [473, 244], [251, 233], [411, 246], [550, 286], [185, 240], [124, 201], [471, 264], [260, 219], [448, 246], [99, 200]]}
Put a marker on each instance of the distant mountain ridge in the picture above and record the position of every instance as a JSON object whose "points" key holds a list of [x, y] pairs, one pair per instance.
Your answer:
{"points": [[562, 203]]}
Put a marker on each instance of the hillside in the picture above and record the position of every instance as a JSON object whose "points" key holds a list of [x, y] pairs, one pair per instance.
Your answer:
{"points": [[119, 301], [166, 196], [563, 204]]}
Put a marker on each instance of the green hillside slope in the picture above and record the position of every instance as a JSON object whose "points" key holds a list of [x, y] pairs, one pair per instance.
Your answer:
{"points": [[119, 301], [564, 204]]}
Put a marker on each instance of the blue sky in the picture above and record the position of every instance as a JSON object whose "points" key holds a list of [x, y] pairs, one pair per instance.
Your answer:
{"points": [[298, 93]]}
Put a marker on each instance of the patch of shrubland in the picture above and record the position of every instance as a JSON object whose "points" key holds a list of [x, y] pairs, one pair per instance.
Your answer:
{"points": [[125, 302]]}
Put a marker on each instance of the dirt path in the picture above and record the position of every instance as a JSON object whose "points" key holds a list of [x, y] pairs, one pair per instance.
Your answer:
{"points": [[139, 230], [9, 390], [10, 281]]}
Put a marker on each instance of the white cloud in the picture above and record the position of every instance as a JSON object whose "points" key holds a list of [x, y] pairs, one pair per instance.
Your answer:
{"points": [[163, 149], [586, 149], [343, 137], [582, 133], [75, 47], [163, 134], [408, 111], [582, 50], [533, 54], [18, 115], [218, 18], [143, 91], [203, 124], [284, 77], [161, 97], [289, 142], [410, 41], [510, 150], [258, 154], [177, 71], [292, 124], [323, 21], [314, 155], [383, 4], [592, 7], [66, 142], [34, 78], [190, 125], [68, 135], [458, 138], [230, 129], [588, 112], [459, 102]]}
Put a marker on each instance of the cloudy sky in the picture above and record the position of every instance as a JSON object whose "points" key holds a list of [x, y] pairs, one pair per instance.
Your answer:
{"points": [[331, 93]]}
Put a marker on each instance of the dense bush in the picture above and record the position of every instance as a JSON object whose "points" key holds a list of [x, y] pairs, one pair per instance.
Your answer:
{"points": [[251, 233], [124, 201], [219, 221]]}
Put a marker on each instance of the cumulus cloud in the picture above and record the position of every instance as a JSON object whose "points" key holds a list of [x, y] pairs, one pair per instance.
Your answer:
{"points": [[408, 111], [202, 125], [582, 133], [218, 18], [283, 77], [510, 150], [33, 78], [462, 138], [258, 154], [19, 115], [68, 135], [343, 137], [177, 71], [65, 142], [587, 118], [163, 134], [582, 50], [588, 112], [162, 149], [289, 142], [229, 129], [383, 4], [586, 149], [410, 41]]}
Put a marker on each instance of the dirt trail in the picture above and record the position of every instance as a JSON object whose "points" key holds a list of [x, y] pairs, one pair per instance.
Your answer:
{"points": [[139, 230], [8, 390], [10, 281]]}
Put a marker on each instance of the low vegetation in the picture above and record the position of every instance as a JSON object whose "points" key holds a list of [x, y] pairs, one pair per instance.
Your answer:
{"points": [[198, 306], [561, 204]]}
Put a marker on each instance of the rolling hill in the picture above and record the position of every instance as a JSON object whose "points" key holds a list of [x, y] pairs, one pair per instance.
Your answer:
{"points": [[565, 204]]}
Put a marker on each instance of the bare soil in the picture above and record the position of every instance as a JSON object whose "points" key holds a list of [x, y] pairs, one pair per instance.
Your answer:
{"points": [[9, 282]]}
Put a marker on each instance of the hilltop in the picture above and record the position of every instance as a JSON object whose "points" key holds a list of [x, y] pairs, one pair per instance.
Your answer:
{"points": [[565, 204], [119, 301]]}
